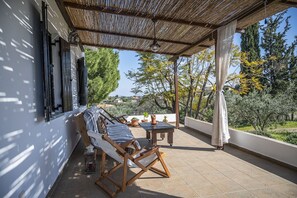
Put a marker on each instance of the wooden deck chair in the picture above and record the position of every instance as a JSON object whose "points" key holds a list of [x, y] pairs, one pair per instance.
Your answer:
{"points": [[145, 160]]}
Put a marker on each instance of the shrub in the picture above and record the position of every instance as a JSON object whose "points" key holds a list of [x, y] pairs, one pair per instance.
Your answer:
{"points": [[292, 138]]}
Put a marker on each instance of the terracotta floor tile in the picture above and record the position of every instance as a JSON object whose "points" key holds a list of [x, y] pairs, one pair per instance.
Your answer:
{"points": [[240, 194], [207, 190], [268, 193], [287, 189], [197, 170]]}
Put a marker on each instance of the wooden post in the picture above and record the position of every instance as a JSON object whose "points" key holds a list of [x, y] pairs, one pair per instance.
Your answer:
{"points": [[176, 93]]}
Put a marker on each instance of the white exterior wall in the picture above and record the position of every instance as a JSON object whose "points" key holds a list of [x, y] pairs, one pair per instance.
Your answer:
{"points": [[278, 150], [32, 152], [159, 117]]}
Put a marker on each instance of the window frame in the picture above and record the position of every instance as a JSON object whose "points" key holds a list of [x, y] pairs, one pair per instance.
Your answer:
{"points": [[50, 110]]}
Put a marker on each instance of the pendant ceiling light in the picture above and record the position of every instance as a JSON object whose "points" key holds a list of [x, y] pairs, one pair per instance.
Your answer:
{"points": [[265, 6], [155, 46]]}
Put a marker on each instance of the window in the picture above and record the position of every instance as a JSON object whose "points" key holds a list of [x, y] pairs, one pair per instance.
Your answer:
{"points": [[82, 82], [56, 70]]}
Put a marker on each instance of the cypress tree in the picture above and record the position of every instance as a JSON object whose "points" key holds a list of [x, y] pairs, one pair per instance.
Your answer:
{"points": [[250, 42], [277, 53], [250, 46]]}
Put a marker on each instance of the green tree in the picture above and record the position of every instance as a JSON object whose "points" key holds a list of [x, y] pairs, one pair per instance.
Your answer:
{"points": [[250, 43], [251, 80], [103, 73], [251, 53], [154, 78], [195, 88], [259, 109], [277, 53]]}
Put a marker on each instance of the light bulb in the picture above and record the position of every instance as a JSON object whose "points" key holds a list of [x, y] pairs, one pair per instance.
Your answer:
{"points": [[155, 46]]}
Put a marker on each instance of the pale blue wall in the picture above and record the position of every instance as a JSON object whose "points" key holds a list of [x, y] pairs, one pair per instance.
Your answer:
{"points": [[32, 152]]}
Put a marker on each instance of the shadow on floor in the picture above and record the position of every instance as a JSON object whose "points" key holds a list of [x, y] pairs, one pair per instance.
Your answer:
{"points": [[189, 148], [268, 165], [74, 182]]}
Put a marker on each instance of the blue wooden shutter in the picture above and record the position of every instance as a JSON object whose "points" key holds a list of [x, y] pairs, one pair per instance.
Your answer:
{"points": [[66, 75]]}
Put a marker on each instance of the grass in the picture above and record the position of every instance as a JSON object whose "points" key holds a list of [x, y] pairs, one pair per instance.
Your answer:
{"points": [[278, 132], [280, 136], [245, 128], [287, 125]]}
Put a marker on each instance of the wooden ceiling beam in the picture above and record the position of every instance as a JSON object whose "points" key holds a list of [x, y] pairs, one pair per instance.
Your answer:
{"points": [[131, 36], [197, 43], [240, 16], [123, 12], [125, 48], [289, 3]]}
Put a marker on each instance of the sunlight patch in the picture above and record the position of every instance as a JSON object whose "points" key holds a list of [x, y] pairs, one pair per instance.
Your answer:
{"points": [[13, 133], [9, 99], [6, 148], [2, 43], [7, 4], [7, 68], [17, 160]]}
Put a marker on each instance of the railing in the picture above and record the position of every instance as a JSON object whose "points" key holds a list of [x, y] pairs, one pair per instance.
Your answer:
{"points": [[271, 148]]}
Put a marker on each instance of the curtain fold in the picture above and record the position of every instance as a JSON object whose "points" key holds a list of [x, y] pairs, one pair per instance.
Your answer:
{"points": [[220, 131]]}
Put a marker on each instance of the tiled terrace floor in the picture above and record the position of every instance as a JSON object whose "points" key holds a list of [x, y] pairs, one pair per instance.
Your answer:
{"points": [[197, 170]]}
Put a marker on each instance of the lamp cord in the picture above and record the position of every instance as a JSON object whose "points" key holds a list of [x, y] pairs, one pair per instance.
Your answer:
{"points": [[265, 14], [154, 29]]}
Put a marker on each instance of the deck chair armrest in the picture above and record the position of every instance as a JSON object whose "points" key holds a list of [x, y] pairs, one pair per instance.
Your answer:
{"points": [[147, 153], [117, 146], [131, 143]]}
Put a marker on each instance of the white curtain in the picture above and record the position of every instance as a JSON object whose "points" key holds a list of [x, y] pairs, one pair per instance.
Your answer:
{"points": [[220, 131]]}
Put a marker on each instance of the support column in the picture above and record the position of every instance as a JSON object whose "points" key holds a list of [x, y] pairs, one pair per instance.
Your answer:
{"points": [[176, 93]]}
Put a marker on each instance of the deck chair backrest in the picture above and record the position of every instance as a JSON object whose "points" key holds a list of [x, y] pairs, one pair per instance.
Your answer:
{"points": [[109, 120], [91, 117], [91, 120], [101, 123], [109, 149], [81, 127]]}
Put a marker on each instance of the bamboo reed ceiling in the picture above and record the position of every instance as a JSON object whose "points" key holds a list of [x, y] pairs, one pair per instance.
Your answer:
{"points": [[183, 27]]}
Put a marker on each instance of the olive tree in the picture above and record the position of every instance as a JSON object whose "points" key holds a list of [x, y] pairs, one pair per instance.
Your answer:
{"points": [[258, 109]]}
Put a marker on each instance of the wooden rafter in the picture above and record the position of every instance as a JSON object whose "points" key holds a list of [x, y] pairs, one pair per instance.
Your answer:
{"points": [[289, 3], [180, 53], [132, 36], [64, 13], [242, 15], [123, 12]]}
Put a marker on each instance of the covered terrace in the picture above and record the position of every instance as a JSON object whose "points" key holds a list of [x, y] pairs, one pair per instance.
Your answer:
{"points": [[38, 133], [181, 28], [172, 27]]}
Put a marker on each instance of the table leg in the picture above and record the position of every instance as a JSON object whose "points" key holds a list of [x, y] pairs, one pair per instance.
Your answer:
{"points": [[154, 138], [170, 138], [148, 135], [162, 135]]}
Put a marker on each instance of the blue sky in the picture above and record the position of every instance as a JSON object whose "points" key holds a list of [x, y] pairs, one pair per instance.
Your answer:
{"points": [[129, 61]]}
